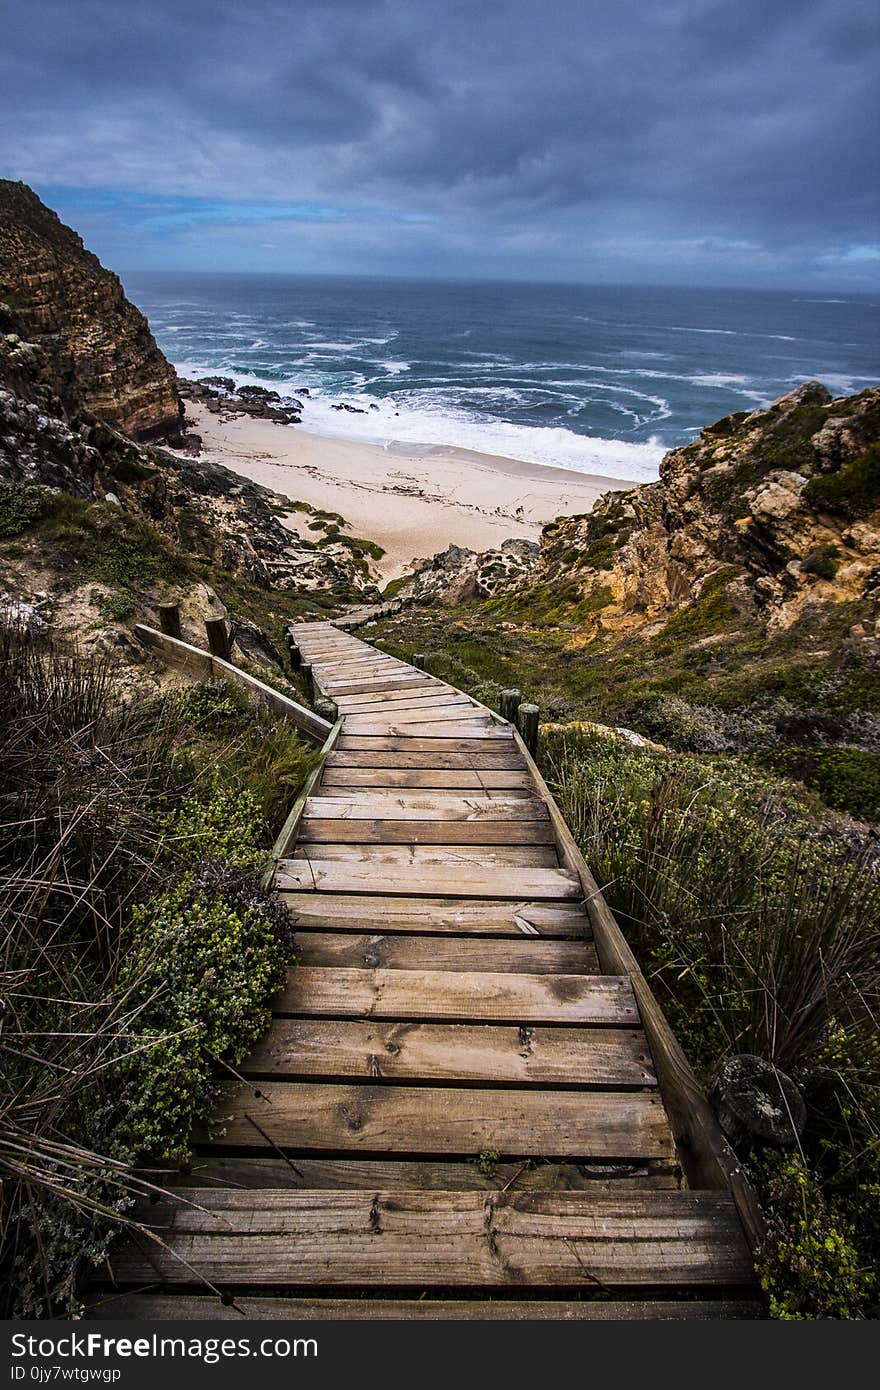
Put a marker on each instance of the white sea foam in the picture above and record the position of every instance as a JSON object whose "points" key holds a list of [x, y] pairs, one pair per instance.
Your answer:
{"points": [[413, 420]]}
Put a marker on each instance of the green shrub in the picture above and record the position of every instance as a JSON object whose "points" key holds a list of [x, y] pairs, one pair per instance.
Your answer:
{"points": [[823, 561], [811, 1265], [852, 491], [21, 504], [115, 607]]}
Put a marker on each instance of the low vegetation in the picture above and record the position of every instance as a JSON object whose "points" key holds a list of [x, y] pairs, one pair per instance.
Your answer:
{"points": [[757, 919], [139, 951]]}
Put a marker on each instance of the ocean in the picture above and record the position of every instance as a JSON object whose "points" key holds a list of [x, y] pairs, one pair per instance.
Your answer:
{"points": [[598, 379]]}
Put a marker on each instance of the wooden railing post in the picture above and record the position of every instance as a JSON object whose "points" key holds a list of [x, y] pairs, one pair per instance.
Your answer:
{"points": [[418, 660], [527, 718], [509, 702], [294, 651], [169, 620], [305, 671], [218, 638]]}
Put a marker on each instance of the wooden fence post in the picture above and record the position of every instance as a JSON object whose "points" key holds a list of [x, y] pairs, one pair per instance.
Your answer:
{"points": [[527, 718], [418, 660], [218, 638], [305, 671], [294, 651], [169, 619], [509, 702]]}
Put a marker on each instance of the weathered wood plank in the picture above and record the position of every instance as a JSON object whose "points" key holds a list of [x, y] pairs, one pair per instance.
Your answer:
{"points": [[450, 996], [417, 805], [323, 830], [199, 1308], [376, 684], [355, 1050], [479, 918], [438, 860], [388, 699], [440, 759], [465, 731], [436, 744], [520, 955], [468, 881], [388, 1119], [438, 1175], [442, 1240], [446, 1175], [388, 779]]}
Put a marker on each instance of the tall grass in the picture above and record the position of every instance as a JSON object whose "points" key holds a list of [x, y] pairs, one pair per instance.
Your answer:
{"points": [[102, 805]]}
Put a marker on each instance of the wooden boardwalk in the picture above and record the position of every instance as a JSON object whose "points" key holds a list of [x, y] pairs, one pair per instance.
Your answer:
{"points": [[455, 1103]]}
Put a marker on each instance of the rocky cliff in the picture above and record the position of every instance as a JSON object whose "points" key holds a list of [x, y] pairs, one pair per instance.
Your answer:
{"points": [[96, 349], [770, 511]]}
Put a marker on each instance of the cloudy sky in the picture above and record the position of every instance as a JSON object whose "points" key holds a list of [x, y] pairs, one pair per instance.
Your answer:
{"points": [[631, 141]]}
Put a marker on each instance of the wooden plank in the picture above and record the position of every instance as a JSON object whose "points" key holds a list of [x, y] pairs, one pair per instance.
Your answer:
{"points": [[388, 1119], [423, 706], [355, 1049], [439, 1175], [466, 731], [376, 684], [437, 744], [200, 1308], [466, 997], [441, 1240], [468, 881], [322, 830], [420, 696], [399, 716], [562, 921], [400, 756], [416, 805], [521, 955], [440, 861], [386, 779]]}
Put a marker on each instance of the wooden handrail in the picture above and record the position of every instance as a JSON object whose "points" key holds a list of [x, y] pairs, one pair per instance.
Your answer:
{"points": [[202, 664]]}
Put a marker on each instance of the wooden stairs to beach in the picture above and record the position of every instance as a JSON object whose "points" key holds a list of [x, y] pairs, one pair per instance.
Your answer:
{"points": [[468, 1105]]}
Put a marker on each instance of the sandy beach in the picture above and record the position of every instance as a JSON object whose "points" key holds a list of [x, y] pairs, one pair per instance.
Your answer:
{"points": [[412, 500]]}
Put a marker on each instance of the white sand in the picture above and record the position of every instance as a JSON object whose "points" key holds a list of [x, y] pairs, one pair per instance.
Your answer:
{"points": [[412, 500]]}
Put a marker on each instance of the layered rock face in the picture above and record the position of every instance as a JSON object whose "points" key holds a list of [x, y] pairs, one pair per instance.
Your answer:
{"points": [[769, 511], [96, 350], [782, 505]]}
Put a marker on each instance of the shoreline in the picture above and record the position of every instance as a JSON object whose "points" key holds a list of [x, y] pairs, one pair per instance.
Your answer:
{"points": [[413, 500]]}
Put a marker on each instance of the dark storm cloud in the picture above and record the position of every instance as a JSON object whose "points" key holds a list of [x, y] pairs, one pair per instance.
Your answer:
{"points": [[569, 134]]}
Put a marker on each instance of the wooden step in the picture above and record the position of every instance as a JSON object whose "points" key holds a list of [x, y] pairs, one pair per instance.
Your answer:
{"points": [[393, 682], [441, 1240], [376, 727], [420, 698], [382, 779], [454, 879], [525, 955], [478, 917], [422, 806], [439, 1175], [437, 743], [357, 1050], [299, 1117], [182, 1307], [490, 759], [316, 830], [458, 997]]}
